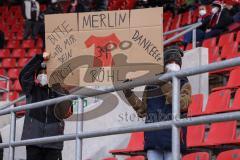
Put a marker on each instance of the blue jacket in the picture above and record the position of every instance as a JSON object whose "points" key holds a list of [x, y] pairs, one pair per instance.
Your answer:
{"points": [[158, 110]]}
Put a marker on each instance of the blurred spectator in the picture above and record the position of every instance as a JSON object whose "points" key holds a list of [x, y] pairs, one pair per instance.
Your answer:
{"points": [[234, 9], [54, 8], [219, 20], [141, 4], [75, 6], [94, 5], [2, 37], [31, 12], [200, 31]]}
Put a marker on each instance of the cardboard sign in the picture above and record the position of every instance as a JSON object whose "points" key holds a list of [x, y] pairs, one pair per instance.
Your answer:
{"points": [[104, 48]]}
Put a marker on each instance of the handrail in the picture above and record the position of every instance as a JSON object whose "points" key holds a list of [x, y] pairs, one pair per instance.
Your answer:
{"points": [[175, 123], [180, 29], [84, 92]]}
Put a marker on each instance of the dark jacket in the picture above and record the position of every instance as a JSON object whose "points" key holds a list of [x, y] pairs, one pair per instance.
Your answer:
{"points": [[157, 106], [224, 21], [39, 122]]}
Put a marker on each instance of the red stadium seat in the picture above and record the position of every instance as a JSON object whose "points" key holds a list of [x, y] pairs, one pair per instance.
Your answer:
{"points": [[189, 47], [2, 72], [230, 50], [4, 53], [13, 73], [197, 156], [229, 155], [28, 43], [195, 135], [218, 101], [11, 21], [213, 55], [222, 133], [187, 18], [176, 22], [233, 81], [9, 36], [33, 52], [195, 108], [12, 96], [236, 101], [8, 63], [39, 43], [136, 144], [17, 86], [3, 84], [208, 43], [18, 53], [136, 158], [22, 62], [238, 36], [13, 44], [19, 35], [16, 28], [226, 39]]}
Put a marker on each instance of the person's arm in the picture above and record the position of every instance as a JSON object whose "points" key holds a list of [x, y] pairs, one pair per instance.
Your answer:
{"points": [[185, 95], [224, 21], [27, 74], [138, 105]]}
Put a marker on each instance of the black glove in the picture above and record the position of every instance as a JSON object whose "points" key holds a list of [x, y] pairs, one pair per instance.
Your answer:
{"points": [[127, 92]]}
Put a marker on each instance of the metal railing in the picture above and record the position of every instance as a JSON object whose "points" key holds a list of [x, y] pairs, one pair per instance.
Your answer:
{"points": [[80, 134], [7, 89], [175, 123]]}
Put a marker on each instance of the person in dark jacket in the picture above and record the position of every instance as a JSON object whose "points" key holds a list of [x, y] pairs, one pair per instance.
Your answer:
{"points": [[156, 105], [200, 31], [75, 7], [31, 10], [219, 20], [40, 122]]}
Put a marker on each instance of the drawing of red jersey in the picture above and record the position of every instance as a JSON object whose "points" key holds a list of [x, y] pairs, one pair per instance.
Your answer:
{"points": [[102, 52]]}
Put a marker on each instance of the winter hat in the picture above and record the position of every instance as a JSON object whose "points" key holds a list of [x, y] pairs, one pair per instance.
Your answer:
{"points": [[173, 53]]}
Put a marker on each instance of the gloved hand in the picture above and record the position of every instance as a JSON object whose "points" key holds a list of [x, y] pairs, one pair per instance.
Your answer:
{"points": [[127, 92]]}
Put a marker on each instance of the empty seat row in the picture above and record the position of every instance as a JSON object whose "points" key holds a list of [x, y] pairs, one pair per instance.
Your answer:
{"points": [[12, 63], [25, 44], [19, 53], [13, 85], [226, 155], [219, 100]]}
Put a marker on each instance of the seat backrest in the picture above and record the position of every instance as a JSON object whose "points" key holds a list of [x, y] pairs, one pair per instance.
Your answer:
{"points": [[195, 135], [234, 77], [218, 101], [136, 158], [195, 108], [225, 39], [229, 50], [136, 141], [209, 42], [238, 36], [18, 53], [236, 101], [229, 155], [213, 54], [221, 133], [197, 156]]}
